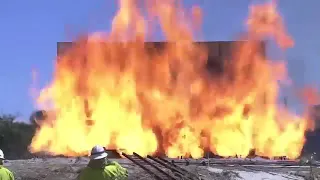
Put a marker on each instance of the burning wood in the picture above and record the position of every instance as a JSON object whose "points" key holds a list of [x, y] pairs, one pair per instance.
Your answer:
{"points": [[143, 102]]}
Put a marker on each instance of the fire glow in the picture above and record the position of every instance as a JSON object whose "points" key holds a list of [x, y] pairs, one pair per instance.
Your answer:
{"points": [[122, 96]]}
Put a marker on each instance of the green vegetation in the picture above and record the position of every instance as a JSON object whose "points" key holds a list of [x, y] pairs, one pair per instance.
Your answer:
{"points": [[15, 137]]}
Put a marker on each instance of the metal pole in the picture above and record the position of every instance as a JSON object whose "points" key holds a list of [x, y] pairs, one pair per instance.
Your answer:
{"points": [[143, 167]]}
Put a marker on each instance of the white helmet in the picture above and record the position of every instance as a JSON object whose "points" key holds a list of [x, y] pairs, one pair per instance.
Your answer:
{"points": [[98, 152], [1, 154]]}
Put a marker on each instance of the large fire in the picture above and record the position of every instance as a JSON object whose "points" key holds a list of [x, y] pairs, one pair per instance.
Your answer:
{"points": [[111, 89]]}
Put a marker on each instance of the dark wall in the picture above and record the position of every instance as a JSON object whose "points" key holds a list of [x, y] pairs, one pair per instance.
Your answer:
{"points": [[218, 51], [312, 143]]}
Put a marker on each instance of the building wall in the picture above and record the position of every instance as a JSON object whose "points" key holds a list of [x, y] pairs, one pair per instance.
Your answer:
{"points": [[216, 48], [314, 115], [218, 51], [62, 47]]}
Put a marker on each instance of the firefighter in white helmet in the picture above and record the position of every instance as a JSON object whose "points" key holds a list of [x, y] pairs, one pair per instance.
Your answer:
{"points": [[100, 168], [5, 174]]}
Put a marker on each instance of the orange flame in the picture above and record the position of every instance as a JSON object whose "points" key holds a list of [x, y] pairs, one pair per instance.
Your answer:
{"points": [[116, 90]]}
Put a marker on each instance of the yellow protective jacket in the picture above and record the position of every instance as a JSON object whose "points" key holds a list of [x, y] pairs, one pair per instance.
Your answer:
{"points": [[5, 174], [111, 171]]}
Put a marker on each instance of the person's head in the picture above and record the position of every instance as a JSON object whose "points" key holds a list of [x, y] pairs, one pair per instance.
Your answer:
{"points": [[1, 157], [98, 153]]}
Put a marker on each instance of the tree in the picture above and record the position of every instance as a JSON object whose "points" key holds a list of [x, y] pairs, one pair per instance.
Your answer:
{"points": [[15, 137]]}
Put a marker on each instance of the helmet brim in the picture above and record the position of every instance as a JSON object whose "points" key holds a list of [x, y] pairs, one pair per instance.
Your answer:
{"points": [[99, 156]]}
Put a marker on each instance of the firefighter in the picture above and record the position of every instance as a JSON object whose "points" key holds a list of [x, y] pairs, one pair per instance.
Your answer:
{"points": [[100, 168], [5, 174]]}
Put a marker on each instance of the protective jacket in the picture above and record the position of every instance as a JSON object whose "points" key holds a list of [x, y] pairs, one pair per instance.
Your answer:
{"points": [[5, 174], [111, 170]]}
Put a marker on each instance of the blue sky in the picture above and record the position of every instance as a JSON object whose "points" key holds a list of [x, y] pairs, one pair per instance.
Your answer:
{"points": [[30, 30]]}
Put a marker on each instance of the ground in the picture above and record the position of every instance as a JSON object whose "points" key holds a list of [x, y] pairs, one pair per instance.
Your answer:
{"points": [[68, 168]]}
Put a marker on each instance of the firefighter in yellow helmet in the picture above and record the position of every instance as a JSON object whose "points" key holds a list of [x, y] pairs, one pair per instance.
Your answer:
{"points": [[5, 174], [100, 168]]}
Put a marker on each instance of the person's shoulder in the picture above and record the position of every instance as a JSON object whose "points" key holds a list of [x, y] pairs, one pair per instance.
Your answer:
{"points": [[109, 171], [114, 166], [115, 163], [85, 173], [5, 169], [84, 170], [111, 166]]}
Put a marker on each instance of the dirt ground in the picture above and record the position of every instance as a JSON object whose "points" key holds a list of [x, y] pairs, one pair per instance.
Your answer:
{"points": [[68, 168]]}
